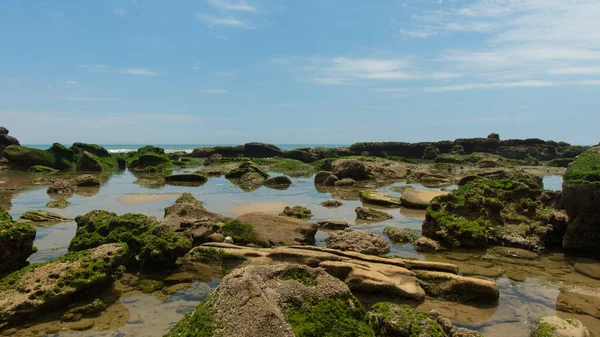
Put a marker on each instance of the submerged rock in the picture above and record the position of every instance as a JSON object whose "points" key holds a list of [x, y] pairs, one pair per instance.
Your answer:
{"points": [[358, 241], [16, 240], [60, 204], [379, 198], [285, 300], [581, 197], [552, 326], [321, 176], [38, 288], [61, 186], [274, 230], [333, 224], [331, 203], [195, 179], [369, 214], [43, 217], [86, 180], [278, 181], [398, 235], [416, 198], [515, 212], [297, 212], [150, 245]]}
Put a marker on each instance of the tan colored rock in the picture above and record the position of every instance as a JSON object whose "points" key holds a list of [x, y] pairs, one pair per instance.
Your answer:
{"points": [[457, 288], [426, 245], [192, 221], [358, 241], [275, 230], [417, 198], [552, 326], [588, 267]]}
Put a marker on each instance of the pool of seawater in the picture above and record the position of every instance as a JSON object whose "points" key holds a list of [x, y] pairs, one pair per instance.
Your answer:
{"points": [[528, 290]]}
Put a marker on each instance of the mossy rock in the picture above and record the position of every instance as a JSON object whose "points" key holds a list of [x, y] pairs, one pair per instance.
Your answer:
{"points": [[389, 319], [150, 245], [585, 168], [560, 162], [16, 240], [42, 169], [79, 312], [57, 157], [369, 214], [60, 204], [187, 198], [379, 198], [149, 159], [40, 217], [513, 212], [297, 212], [242, 234]]}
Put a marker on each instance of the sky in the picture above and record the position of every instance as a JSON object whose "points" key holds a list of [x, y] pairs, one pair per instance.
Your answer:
{"points": [[299, 71]]}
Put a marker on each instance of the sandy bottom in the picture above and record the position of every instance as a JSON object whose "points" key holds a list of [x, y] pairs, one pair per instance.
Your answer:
{"points": [[135, 199], [265, 207]]}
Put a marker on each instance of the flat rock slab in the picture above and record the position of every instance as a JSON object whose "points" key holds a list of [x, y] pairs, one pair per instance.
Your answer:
{"points": [[43, 218], [588, 267], [416, 198], [276, 230], [379, 198]]}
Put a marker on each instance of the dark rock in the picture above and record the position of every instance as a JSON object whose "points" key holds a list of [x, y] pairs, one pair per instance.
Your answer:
{"points": [[331, 180], [16, 240], [278, 181], [321, 176], [345, 182], [149, 159], [431, 152], [6, 140], [214, 158], [303, 156], [57, 156], [494, 136], [331, 203], [333, 224], [203, 152], [186, 178], [350, 168], [261, 150], [230, 151]]}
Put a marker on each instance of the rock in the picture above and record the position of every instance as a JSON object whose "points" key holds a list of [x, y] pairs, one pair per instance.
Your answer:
{"points": [[447, 286], [350, 168], [379, 198], [489, 163], [228, 240], [57, 157], [92, 157], [431, 152], [321, 176], [426, 245], [61, 186], [188, 198], [435, 180], [580, 198], [331, 180], [345, 182], [245, 168], [358, 241], [16, 240], [38, 169], [275, 301], [149, 159], [515, 212], [390, 319], [331, 203], [333, 224], [384, 149], [213, 158], [552, 326], [261, 150], [185, 178], [278, 181], [151, 244], [192, 220], [303, 156], [369, 214], [398, 235], [588, 267], [273, 230], [417, 198], [494, 136], [61, 204], [86, 180], [230, 151], [250, 181], [297, 212], [216, 237], [6, 140], [42, 287], [43, 217], [77, 313], [203, 152]]}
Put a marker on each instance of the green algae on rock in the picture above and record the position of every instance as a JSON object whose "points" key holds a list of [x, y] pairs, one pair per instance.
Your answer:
{"points": [[241, 233], [57, 157], [380, 198], [149, 159], [60, 204], [39, 169], [369, 214], [297, 212], [16, 240], [581, 197], [40, 217], [39, 287], [513, 212], [552, 326], [92, 157], [77, 313], [188, 198], [150, 245]]}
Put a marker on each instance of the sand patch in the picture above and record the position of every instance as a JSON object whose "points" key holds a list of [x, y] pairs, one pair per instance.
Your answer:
{"points": [[265, 207], [135, 199]]}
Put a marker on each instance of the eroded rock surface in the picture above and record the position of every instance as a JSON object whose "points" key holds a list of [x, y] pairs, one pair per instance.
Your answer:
{"points": [[358, 241]]}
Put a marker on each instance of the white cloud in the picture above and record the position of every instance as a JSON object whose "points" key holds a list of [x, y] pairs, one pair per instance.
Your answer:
{"points": [[230, 21], [120, 12], [138, 71], [576, 71], [518, 84], [226, 5], [330, 81], [213, 91], [417, 33]]}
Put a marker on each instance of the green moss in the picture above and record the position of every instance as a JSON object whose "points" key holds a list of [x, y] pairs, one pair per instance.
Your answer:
{"points": [[200, 323], [297, 212], [290, 167], [379, 198], [149, 159], [150, 245], [543, 330], [57, 156], [77, 313], [333, 317], [324, 164], [148, 286], [16, 240], [97, 158], [187, 198], [389, 319], [301, 276], [61, 204], [560, 162], [241, 233], [210, 255], [42, 169], [585, 168]]}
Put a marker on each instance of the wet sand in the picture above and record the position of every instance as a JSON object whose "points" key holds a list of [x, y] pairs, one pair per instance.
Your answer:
{"points": [[265, 207]]}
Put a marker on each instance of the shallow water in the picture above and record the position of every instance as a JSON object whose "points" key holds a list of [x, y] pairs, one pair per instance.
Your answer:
{"points": [[529, 289]]}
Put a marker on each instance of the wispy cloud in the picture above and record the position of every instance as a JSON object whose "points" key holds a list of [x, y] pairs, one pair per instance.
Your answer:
{"points": [[108, 69], [213, 91], [230, 21], [138, 71], [226, 5], [331, 81], [518, 84], [576, 71]]}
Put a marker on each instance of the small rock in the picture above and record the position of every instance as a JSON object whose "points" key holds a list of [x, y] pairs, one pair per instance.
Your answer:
{"points": [[380, 198], [278, 181], [333, 224], [358, 241], [61, 186], [228, 240], [321, 176], [331, 203], [86, 180], [43, 217], [331, 180], [345, 182], [297, 212], [216, 237], [369, 214], [426, 245], [398, 235]]}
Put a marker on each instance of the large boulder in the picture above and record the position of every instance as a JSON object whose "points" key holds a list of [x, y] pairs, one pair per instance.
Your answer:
{"points": [[350, 168], [261, 150], [274, 230], [515, 212], [552, 326], [302, 155], [57, 156], [41, 288], [418, 198], [150, 244], [189, 218], [581, 197], [358, 241], [92, 157], [6, 140], [203, 152], [282, 300], [16, 240], [149, 159], [230, 151]]}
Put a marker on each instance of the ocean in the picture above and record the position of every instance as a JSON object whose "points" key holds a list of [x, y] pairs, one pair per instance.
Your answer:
{"points": [[121, 148]]}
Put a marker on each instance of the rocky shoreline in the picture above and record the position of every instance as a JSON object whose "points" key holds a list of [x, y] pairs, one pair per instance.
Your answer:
{"points": [[279, 283]]}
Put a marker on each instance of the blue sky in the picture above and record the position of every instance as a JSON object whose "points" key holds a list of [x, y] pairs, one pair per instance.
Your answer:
{"points": [[299, 71]]}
